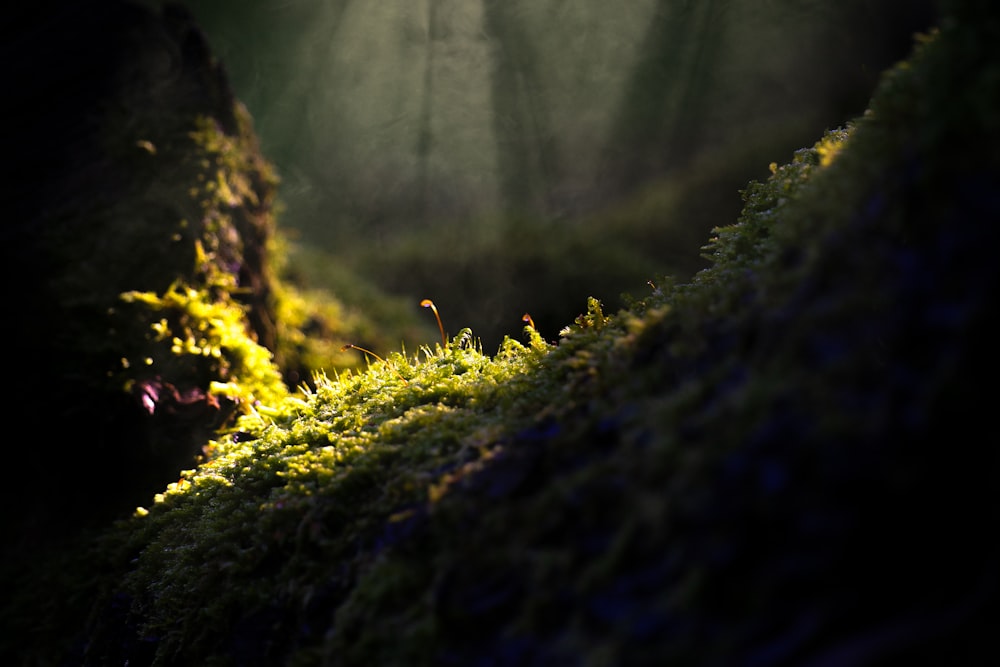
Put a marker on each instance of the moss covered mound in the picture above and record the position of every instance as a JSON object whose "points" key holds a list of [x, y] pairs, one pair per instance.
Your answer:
{"points": [[780, 462]]}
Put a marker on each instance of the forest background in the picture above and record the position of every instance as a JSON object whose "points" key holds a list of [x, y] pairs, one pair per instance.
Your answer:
{"points": [[506, 156]]}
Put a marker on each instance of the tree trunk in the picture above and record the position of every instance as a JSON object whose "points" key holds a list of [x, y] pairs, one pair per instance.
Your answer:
{"points": [[526, 154], [659, 118]]}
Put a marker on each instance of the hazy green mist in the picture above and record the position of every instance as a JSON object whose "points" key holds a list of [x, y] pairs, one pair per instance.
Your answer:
{"points": [[503, 156]]}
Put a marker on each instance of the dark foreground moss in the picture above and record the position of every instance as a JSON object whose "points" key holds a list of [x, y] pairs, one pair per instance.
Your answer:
{"points": [[780, 462]]}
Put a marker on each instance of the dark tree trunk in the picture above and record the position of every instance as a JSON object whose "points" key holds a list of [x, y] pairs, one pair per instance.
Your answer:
{"points": [[660, 116], [425, 132], [526, 154]]}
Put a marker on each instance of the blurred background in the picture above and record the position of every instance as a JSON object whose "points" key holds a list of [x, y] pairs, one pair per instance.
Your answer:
{"points": [[504, 157]]}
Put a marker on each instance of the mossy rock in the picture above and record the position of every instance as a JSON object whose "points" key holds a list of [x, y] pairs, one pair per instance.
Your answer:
{"points": [[147, 308], [778, 462], [142, 177]]}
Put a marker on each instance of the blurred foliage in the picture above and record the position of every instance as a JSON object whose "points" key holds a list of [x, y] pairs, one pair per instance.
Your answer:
{"points": [[492, 278], [479, 153], [334, 306], [760, 465]]}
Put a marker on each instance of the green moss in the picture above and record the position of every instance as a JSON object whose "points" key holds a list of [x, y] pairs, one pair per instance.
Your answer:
{"points": [[688, 478], [200, 337], [203, 329], [314, 477]]}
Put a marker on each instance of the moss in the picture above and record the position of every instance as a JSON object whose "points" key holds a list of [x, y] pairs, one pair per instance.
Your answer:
{"points": [[765, 464]]}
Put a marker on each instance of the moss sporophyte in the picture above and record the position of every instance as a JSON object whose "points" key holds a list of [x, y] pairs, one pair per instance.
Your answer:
{"points": [[427, 303], [352, 346]]}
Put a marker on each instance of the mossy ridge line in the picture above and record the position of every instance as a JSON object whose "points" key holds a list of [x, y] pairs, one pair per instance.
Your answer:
{"points": [[364, 452]]}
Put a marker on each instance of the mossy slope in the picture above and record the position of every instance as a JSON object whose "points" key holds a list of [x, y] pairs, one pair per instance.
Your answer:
{"points": [[780, 462]]}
